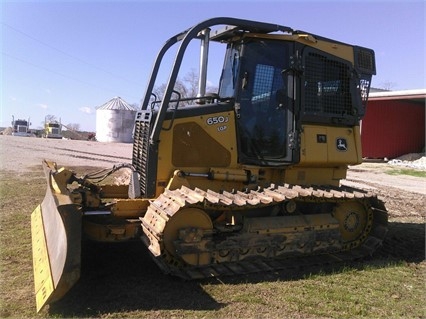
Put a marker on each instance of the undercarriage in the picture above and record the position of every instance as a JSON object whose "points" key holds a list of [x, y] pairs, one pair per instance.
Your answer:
{"points": [[196, 234]]}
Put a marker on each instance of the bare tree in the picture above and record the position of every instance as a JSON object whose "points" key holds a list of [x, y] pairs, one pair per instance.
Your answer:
{"points": [[179, 87], [191, 82], [48, 119], [388, 86], [187, 87], [73, 126]]}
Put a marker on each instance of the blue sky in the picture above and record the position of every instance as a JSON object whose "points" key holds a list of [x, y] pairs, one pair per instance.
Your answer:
{"points": [[67, 58]]}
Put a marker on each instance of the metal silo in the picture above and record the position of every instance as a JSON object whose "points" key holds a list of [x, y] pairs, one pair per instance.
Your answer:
{"points": [[114, 121]]}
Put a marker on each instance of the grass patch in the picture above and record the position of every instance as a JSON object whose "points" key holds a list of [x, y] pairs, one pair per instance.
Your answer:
{"points": [[407, 171], [356, 293], [19, 195], [121, 281], [394, 291]]}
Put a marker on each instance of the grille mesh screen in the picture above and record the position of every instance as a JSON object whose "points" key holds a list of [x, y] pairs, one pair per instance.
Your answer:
{"points": [[140, 151], [327, 89]]}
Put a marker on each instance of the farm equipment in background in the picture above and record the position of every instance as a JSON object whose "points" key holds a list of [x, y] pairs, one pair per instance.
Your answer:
{"points": [[244, 180]]}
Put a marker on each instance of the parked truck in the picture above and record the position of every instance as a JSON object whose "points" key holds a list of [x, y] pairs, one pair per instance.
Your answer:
{"points": [[52, 129], [20, 127]]}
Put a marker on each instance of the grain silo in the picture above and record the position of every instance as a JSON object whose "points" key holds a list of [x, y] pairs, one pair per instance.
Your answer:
{"points": [[114, 121]]}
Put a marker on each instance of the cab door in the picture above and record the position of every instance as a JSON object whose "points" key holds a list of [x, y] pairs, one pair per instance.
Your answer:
{"points": [[266, 120]]}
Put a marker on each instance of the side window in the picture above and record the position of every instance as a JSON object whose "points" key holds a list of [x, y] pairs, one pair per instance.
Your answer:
{"points": [[262, 86], [264, 123], [327, 86], [266, 82]]}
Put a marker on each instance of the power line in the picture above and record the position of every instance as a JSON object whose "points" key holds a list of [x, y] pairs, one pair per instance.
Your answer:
{"points": [[69, 55], [61, 74]]}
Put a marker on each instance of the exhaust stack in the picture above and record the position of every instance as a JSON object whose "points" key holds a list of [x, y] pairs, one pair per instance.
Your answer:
{"points": [[204, 53]]}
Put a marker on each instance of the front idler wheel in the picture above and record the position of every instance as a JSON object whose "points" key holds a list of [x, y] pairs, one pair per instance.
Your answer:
{"points": [[183, 236]]}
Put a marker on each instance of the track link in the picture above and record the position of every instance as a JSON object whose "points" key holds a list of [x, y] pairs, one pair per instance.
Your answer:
{"points": [[170, 202]]}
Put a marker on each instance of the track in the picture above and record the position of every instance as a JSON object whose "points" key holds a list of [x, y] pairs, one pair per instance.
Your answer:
{"points": [[168, 204]]}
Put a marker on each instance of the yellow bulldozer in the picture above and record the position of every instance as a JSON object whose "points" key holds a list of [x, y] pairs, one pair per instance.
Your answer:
{"points": [[246, 179]]}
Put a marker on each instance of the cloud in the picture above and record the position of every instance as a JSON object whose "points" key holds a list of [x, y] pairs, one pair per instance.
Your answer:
{"points": [[48, 91], [43, 106], [85, 109]]}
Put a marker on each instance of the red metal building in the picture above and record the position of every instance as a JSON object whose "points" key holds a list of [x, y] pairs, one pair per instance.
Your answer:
{"points": [[394, 124]]}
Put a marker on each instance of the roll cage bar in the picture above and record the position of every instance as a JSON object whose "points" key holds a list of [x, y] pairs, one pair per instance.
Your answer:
{"points": [[233, 27]]}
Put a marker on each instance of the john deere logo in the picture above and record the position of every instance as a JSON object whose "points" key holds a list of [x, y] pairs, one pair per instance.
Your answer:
{"points": [[341, 144]]}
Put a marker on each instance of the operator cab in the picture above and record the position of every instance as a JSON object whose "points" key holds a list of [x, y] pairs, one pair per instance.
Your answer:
{"points": [[280, 84]]}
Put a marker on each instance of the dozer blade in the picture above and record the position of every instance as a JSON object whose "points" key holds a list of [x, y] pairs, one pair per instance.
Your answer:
{"points": [[56, 243]]}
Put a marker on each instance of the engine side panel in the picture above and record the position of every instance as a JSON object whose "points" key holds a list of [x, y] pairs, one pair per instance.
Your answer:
{"points": [[330, 146], [196, 144]]}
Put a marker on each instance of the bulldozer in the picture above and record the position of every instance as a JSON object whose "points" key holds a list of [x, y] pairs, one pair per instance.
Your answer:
{"points": [[245, 179]]}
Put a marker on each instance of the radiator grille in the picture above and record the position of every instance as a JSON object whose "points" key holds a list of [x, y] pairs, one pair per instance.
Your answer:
{"points": [[141, 147]]}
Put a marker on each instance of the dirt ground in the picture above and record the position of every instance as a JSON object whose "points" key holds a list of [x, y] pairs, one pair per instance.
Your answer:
{"points": [[21, 153], [404, 196]]}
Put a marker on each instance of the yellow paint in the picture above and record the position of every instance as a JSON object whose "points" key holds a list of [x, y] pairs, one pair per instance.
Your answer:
{"points": [[315, 176], [43, 281], [340, 50], [327, 154], [127, 208], [222, 134]]}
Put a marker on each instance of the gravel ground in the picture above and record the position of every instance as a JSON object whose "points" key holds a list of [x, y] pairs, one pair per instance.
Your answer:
{"points": [[23, 153], [373, 176]]}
